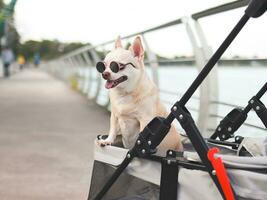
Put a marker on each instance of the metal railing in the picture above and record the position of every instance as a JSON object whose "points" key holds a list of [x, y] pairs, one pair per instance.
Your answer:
{"points": [[79, 65]]}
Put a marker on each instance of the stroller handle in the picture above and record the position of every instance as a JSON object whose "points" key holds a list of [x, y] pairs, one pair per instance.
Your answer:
{"points": [[256, 8]]}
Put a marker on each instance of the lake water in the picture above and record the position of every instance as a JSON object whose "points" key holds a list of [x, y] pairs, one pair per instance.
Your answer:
{"points": [[236, 86]]}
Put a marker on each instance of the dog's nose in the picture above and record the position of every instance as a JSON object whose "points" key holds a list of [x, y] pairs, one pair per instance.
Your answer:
{"points": [[105, 75]]}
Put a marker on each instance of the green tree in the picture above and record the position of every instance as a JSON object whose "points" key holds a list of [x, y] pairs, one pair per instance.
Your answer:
{"points": [[6, 20], [1, 4], [48, 49]]}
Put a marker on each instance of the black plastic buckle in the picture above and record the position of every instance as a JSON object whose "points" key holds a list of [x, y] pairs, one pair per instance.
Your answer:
{"points": [[230, 124], [151, 137]]}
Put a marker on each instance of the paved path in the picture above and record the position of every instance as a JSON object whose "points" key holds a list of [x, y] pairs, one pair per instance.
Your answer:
{"points": [[46, 137]]}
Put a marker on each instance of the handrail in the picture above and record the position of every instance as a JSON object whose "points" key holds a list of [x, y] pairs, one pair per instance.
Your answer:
{"points": [[220, 9]]}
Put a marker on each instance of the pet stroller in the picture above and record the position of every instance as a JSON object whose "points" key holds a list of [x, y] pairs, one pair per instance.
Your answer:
{"points": [[212, 168]]}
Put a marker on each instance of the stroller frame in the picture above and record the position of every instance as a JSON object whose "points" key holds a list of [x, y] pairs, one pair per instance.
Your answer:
{"points": [[237, 117], [157, 129]]}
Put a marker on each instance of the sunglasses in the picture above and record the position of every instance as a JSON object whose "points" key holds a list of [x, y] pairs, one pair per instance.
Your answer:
{"points": [[114, 66]]}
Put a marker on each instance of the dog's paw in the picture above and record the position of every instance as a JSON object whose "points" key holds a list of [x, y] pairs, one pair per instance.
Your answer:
{"points": [[103, 143]]}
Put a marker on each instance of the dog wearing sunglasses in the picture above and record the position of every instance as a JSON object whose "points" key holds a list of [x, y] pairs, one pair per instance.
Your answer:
{"points": [[134, 97]]}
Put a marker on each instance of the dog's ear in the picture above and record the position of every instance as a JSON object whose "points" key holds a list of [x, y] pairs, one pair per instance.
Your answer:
{"points": [[137, 48], [118, 43]]}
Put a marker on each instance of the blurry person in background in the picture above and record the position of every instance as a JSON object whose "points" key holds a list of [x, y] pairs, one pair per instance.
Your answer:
{"points": [[7, 58], [36, 59], [21, 62]]}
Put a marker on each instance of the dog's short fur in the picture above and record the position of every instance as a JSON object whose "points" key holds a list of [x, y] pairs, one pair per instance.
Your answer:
{"points": [[134, 102]]}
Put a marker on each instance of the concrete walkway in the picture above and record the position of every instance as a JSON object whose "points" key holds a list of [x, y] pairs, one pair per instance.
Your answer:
{"points": [[46, 137]]}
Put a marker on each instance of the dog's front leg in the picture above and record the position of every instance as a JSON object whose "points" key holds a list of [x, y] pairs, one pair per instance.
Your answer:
{"points": [[113, 131]]}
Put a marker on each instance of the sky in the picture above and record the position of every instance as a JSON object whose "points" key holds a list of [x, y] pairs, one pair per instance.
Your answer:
{"points": [[103, 20]]}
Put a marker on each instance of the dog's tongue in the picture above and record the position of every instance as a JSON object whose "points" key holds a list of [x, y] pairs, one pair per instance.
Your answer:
{"points": [[109, 84]]}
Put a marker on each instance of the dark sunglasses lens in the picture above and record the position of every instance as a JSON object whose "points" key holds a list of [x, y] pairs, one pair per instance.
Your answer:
{"points": [[100, 66], [114, 67]]}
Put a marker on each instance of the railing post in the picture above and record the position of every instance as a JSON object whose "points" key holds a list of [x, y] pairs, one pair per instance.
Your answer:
{"points": [[212, 78], [81, 73], [60, 69], [153, 61], [99, 79], [66, 71], [89, 63], [75, 61], [204, 92], [69, 66], [73, 65]]}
